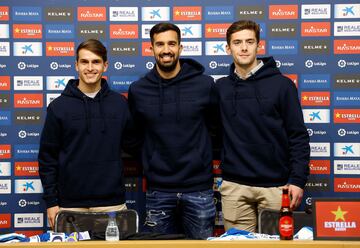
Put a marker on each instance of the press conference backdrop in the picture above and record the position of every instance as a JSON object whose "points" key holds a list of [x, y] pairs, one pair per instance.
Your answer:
{"points": [[315, 43]]}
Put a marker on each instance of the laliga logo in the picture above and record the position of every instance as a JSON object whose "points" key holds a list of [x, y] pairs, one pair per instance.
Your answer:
{"points": [[310, 132], [309, 63], [278, 63], [213, 65], [54, 66], [22, 203], [149, 65], [22, 134], [21, 65], [341, 63], [118, 65], [341, 132]]}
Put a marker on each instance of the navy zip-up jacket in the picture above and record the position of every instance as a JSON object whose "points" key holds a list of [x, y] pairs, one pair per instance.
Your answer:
{"points": [[80, 148], [265, 141], [172, 115]]}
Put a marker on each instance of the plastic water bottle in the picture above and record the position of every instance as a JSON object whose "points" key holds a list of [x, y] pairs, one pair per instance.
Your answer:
{"points": [[112, 230]]}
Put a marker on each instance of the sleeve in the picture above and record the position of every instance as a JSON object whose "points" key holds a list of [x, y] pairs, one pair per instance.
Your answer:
{"points": [[50, 145], [297, 134], [133, 134]]}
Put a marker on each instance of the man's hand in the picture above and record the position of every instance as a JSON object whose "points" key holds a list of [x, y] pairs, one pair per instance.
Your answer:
{"points": [[296, 194], [51, 214]]}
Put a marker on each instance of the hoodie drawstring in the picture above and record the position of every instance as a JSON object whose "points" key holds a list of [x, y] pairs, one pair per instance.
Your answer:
{"points": [[87, 114]]}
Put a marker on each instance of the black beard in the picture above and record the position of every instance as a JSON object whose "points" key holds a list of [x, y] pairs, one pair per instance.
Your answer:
{"points": [[167, 67]]}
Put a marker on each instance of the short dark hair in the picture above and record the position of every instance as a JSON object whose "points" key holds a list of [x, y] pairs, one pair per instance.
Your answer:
{"points": [[242, 25], [163, 27], [94, 46]]}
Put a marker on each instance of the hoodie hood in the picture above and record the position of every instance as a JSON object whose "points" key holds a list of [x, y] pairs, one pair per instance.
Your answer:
{"points": [[72, 90], [269, 69], [189, 68]]}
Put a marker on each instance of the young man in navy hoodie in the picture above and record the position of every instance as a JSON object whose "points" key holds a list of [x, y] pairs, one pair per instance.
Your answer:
{"points": [[80, 148], [265, 141], [171, 106]]}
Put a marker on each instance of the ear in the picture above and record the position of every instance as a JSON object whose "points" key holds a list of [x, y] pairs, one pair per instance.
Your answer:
{"points": [[180, 50], [152, 49], [228, 50], [76, 66], [106, 65]]}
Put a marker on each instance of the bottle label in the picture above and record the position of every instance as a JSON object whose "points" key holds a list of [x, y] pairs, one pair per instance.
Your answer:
{"points": [[286, 226]]}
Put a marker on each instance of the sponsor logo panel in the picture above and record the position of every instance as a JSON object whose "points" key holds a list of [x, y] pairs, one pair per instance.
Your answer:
{"points": [[347, 149], [191, 48], [317, 29], [5, 151], [190, 30], [28, 100], [57, 82], [27, 151], [94, 31], [4, 13], [346, 115], [60, 49], [315, 98], [315, 81], [28, 82], [219, 13], [27, 49], [187, 13], [346, 98], [347, 81], [343, 11], [250, 12], [124, 31], [28, 186], [216, 30], [317, 184], [281, 12], [5, 118], [59, 14], [346, 46], [122, 83], [30, 220], [5, 186], [347, 167], [283, 47], [4, 49], [4, 31], [5, 169], [315, 11], [347, 184], [146, 49], [316, 115], [94, 14], [124, 49], [319, 167], [155, 13], [282, 29], [123, 14], [4, 100], [315, 46], [27, 31], [57, 31], [5, 221], [4, 82], [319, 149], [28, 117], [215, 48], [346, 28], [26, 13]]}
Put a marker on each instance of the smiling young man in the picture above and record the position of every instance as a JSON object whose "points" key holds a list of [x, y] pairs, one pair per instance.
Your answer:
{"points": [[171, 106], [265, 141], [80, 148]]}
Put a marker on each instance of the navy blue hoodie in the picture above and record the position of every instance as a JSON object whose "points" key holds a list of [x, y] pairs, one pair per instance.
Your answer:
{"points": [[173, 114], [265, 141], [80, 148]]}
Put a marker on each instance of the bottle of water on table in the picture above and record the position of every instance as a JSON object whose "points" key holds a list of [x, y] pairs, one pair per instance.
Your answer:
{"points": [[112, 230]]}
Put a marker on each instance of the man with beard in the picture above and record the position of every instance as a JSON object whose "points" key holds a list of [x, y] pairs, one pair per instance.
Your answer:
{"points": [[171, 106]]}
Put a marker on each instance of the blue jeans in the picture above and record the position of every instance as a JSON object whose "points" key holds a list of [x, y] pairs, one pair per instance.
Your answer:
{"points": [[190, 213]]}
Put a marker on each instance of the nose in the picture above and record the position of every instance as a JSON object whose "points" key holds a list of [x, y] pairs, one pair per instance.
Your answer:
{"points": [[166, 49], [89, 66], [243, 46]]}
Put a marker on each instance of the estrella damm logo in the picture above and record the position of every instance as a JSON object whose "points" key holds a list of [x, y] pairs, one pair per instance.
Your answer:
{"points": [[346, 115], [4, 13], [5, 151], [27, 31], [60, 49], [315, 98], [216, 30], [187, 13], [26, 168]]}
